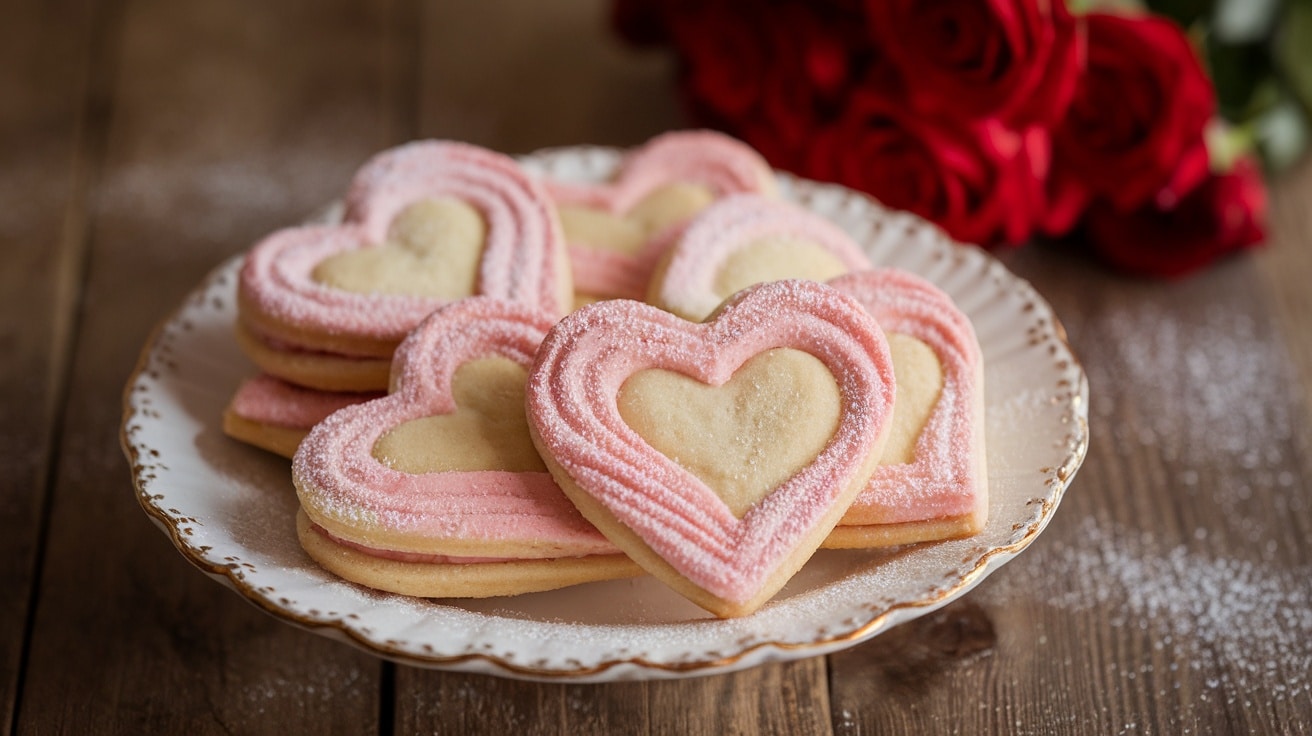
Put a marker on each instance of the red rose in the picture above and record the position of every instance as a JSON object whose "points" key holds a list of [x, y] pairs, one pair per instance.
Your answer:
{"points": [[1015, 60], [723, 55], [1226, 213], [806, 80], [1134, 132], [981, 182]]}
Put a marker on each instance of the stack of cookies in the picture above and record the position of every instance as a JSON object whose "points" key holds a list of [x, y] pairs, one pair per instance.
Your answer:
{"points": [[491, 384]]}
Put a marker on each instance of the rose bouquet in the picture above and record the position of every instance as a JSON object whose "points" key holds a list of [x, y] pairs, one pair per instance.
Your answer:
{"points": [[1000, 120]]}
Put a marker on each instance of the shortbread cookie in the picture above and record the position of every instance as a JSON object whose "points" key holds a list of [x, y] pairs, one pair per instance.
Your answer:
{"points": [[718, 455], [316, 370], [426, 223], [274, 415], [932, 481], [616, 230], [444, 576], [441, 473], [747, 239]]}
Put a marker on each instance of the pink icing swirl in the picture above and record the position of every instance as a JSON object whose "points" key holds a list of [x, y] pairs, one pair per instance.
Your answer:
{"points": [[945, 478], [268, 400], [521, 261], [572, 406], [338, 477], [722, 164], [697, 256]]}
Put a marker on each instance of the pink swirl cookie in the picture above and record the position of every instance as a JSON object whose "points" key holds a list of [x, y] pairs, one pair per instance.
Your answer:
{"points": [[426, 223], [747, 239], [932, 482], [442, 471], [615, 229], [718, 455], [274, 415]]}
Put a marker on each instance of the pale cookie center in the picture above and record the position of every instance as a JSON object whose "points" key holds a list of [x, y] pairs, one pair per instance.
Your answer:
{"points": [[919, 376], [746, 437], [627, 233], [487, 431], [772, 258], [433, 249]]}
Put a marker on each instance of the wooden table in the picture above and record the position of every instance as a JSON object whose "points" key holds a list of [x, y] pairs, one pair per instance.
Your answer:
{"points": [[143, 142]]}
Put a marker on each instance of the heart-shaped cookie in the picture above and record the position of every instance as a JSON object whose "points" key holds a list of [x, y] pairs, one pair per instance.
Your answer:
{"points": [[615, 230], [274, 415], [627, 452], [442, 470], [319, 370], [747, 239], [425, 223], [932, 482]]}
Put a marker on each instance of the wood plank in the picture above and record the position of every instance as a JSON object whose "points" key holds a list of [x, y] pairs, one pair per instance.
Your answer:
{"points": [[223, 121], [1287, 261], [1169, 594], [42, 183], [776, 698]]}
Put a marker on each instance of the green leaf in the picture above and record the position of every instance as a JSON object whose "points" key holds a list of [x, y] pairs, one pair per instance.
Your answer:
{"points": [[1184, 12], [1293, 50]]}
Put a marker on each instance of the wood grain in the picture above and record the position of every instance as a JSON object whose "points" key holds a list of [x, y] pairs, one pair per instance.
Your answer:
{"points": [[43, 180], [780, 698], [1287, 260], [223, 121], [1152, 603]]}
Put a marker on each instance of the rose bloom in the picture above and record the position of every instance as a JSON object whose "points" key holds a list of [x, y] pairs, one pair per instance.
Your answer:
{"points": [[817, 55], [1015, 60], [1134, 132], [723, 57], [980, 182], [1226, 213]]}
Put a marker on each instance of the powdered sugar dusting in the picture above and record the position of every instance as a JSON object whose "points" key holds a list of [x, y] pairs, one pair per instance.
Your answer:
{"points": [[1228, 398], [1237, 621], [1203, 398]]}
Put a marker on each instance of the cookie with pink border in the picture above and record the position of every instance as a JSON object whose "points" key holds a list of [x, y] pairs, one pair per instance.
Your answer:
{"points": [[274, 415], [436, 489], [718, 455], [932, 481], [426, 224], [747, 239], [615, 228]]}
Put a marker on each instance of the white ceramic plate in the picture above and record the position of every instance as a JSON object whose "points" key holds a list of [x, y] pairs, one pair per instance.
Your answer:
{"points": [[229, 508]]}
